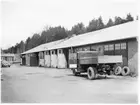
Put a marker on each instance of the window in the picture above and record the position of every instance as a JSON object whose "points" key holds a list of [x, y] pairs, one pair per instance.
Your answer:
{"points": [[45, 53], [52, 52], [99, 48], [75, 50], [106, 47], [123, 45], [86, 48], [70, 50], [111, 47], [48, 52], [117, 46], [55, 51], [59, 51], [41, 55], [80, 49], [93, 50]]}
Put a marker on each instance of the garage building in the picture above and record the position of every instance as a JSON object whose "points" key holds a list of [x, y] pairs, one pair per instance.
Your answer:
{"points": [[116, 40]]}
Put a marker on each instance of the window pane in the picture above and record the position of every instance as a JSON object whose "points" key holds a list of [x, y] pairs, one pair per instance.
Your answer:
{"points": [[80, 49], [55, 52], [117, 46], [70, 51], [75, 50], [123, 45], [111, 47], [59, 51], [106, 47], [86, 48]]}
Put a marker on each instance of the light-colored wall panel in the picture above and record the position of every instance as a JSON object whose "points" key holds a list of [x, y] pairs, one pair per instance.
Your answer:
{"points": [[133, 56], [47, 60]]}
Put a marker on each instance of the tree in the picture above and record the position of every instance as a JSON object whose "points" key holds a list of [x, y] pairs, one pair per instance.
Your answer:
{"points": [[56, 33], [27, 46], [92, 25], [100, 23], [118, 20], [78, 29], [43, 37], [22, 47], [129, 17], [95, 24], [59, 33], [34, 40], [110, 23]]}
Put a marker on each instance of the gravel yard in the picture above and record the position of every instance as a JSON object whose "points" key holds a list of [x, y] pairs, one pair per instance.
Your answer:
{"points": [[22, 84]]}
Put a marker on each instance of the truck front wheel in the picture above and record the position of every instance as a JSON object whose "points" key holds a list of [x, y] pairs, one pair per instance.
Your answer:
{"points": [[75, 72], [91, 73]]}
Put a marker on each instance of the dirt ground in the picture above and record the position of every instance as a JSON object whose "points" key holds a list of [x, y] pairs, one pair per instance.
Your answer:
{"points": [[22, 84]]}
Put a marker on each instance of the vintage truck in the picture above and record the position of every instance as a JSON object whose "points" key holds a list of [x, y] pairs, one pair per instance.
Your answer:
{"points": [[93, 63]]}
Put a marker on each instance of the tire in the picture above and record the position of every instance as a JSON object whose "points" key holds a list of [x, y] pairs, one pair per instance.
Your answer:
{"points": [[125, 71], [118, 70], [75, 72], [91, 73]]}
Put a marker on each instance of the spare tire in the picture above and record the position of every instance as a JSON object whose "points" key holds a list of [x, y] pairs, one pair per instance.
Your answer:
{"points": [[91, 73], [125, 71], [118, 70]]}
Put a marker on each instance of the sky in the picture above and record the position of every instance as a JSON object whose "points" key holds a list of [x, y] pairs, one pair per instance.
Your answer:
{"points": [[20, 19]]}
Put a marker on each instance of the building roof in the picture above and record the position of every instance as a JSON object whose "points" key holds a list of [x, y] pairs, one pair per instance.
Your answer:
{"points": [[118, 32], [43, 47], [7, 55]]}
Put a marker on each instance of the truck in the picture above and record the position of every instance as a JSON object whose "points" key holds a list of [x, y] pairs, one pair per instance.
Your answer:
{"points": [[94, 64]]}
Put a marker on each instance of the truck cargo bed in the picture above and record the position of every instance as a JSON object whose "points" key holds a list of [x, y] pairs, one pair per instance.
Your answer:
{"points": [[101, 59], [91, 57]]}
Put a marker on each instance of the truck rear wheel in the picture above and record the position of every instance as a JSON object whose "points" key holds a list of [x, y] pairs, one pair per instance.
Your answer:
{"points": [[91, 73]]}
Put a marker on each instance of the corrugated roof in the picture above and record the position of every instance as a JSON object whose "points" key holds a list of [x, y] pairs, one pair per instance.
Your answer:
{"points": [[122, 31]]}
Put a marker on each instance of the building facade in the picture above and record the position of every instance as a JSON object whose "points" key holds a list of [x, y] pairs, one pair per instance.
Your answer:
{"points": [[116, 40]]}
